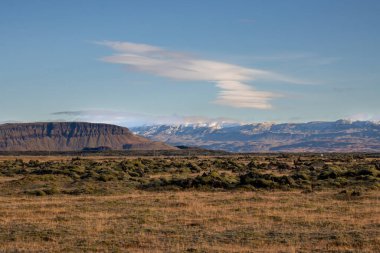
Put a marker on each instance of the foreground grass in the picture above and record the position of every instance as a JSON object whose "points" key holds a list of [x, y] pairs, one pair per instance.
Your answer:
{"points": [[193, 221]]}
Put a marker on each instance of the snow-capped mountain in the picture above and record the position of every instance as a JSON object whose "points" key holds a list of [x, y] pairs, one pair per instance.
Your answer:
{"points": [[338, 136]]}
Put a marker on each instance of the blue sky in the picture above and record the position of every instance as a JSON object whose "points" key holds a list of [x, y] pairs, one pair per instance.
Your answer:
{"points": [[142, 62]]}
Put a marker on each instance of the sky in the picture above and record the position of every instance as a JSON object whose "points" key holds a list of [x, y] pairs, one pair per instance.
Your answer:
{"points": [[166, 62]]}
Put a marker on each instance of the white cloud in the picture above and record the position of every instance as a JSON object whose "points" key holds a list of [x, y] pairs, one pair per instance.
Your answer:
{"points": [[237, 94], [231, 79], [130, 119]]}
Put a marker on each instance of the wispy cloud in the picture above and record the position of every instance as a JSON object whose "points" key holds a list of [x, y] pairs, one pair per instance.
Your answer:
{"points": [[130, 119], [233, 80]]}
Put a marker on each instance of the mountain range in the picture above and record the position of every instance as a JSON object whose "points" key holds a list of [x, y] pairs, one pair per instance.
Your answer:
{"points": [[338, 136], [72, 136]]}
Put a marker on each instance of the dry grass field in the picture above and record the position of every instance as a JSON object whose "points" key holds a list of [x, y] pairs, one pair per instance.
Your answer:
{"points": [[276, 203], [192, 221]]}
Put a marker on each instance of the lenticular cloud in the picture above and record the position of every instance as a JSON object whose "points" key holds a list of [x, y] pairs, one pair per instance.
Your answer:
{"points": [[232, 80]]}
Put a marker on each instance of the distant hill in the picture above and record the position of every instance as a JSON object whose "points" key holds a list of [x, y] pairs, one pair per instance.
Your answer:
{"points": [[72, 136], [338, 136]]}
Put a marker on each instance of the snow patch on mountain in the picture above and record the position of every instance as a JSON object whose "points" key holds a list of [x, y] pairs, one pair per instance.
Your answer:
{"points": [[338, 136]]}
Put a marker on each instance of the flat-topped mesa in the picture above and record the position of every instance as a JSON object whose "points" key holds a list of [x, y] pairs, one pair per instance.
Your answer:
{"points": [[72, 136]]}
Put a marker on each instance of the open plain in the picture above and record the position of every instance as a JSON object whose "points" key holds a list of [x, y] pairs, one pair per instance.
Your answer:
{"points": [[250, 203]]}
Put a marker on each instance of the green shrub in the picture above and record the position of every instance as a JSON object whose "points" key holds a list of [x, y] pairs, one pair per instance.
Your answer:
{"points": [[329, 173], [286, 180], [36, 192], [193, 167], [51, 191], [106, 178], [134, 174], [183, 170], [301, 175], [362, 171], [258, 180]]}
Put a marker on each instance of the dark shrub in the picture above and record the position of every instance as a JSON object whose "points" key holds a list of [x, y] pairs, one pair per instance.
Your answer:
{"points": [[251, 165], [283, 166], [262, 183], [300, 175], [330, 173], [257, 180], [36, 192], [367, 171], [214, 179], [106, 178], [33, 163], [51, 191], [285, 180], [193, 167]]}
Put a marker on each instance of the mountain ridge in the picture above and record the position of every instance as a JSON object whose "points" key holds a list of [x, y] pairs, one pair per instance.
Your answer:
{"points": [[72, 136], [317, 136]]}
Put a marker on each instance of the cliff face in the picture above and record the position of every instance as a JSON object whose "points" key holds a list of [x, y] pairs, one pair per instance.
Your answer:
{"points": [[72, 136]]}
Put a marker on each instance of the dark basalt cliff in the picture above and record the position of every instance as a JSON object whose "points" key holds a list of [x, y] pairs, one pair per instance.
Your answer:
{"points": [[72, 136]]}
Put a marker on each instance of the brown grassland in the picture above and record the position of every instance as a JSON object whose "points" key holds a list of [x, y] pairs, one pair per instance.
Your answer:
{"points": [[306, 215], [192, 222]]}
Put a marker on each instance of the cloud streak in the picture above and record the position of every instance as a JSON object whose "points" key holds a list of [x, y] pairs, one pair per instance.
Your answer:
{"points": [[130, 119], [232, 80]]}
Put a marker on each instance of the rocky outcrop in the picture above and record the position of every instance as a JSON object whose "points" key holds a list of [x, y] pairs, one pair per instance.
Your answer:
{"points": [[72, 136]]}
